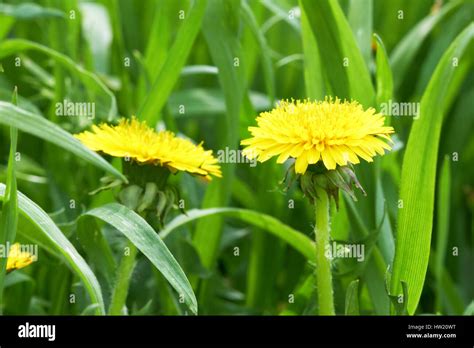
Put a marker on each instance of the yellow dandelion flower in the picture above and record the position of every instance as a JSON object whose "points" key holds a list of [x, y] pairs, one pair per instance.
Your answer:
{"points": [[134, 139], [18, 259], [331, 131]]}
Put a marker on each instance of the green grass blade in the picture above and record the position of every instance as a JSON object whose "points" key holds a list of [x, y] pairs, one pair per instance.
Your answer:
{"points": [[348, 75], [171, 69], [118, 52], [224, 48], [352, 298], [417, 190], [50, 132], [384, 93], [98, 252], [282, 11], [9, 217], [313, 72], [360, 16], [96, 89], [30, 11], [294, 238], [142, 235], [405, 51], [157, 46], [383, 76], [268, 72], [442, 231], [59, 245]]}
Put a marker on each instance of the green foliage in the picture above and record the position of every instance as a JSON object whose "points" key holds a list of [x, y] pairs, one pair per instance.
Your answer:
{"points": [[242, 244]]}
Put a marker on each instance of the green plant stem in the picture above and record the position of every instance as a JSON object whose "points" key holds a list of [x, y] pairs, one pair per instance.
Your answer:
{"points": [[323, 263], [122, 282]]}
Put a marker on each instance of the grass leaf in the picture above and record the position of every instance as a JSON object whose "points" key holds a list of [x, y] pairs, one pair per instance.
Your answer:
{"points": [[415, 219], [224, 47], [171, 69], [383, 77], [59, 245], [9, 217], [140, 233], [405, 51], [442, 232], [352, 298], [96, 89], [348, 75], [50, 132], [296, 239]]}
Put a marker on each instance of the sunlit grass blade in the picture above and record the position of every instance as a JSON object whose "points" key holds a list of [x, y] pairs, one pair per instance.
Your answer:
{"points": [[142, 235], [171, 69], [415, 219], [51, 132], [157, 46], [349, 76], [360, 17], [55, 241], [383, 76], [313, 71], [30, 10], [296, 239]]}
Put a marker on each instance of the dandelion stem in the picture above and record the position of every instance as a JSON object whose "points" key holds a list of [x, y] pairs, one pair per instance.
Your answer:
{"points": [[124, 274], [323, 264]]}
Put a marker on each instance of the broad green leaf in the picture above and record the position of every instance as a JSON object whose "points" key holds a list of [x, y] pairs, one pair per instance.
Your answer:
{"points": [[58, 244], [142, 235], [415, 219], [348, 75], [42, 128], [296, 239], [171, 69]]}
